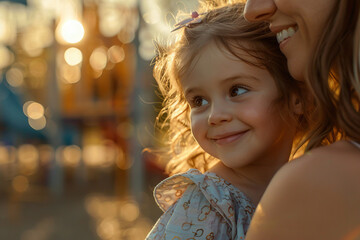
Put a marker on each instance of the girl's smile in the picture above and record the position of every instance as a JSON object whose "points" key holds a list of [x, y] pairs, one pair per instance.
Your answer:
{"points": [[227, 138]]}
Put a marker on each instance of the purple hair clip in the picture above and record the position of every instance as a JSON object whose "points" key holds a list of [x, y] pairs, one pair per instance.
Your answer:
{"points": [[195, 18]]}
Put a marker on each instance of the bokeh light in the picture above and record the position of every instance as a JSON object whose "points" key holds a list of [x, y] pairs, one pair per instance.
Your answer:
{"points": [[152, 15], [3, 30], [126, 36], [116, 54], [122, 162], [7, 57], [93, 205], [70, 74], [129, 211], [93, 155], [146, 48], [28, 156], [108, 228], [108, 16], [20, 184], [46, 153], [37, 124], [35, 38], [4, 155], [15, 77], [7, 27], [35, 110], [25, 107], [98, 58], [71, 155], [71, 31], [73, 56]]}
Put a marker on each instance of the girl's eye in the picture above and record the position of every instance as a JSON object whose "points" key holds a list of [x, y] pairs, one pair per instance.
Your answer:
{"points": [[237, 90], [198, 101]]}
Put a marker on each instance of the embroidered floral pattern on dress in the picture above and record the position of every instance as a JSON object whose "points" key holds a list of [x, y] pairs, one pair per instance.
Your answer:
{"points": [[200, 206]]}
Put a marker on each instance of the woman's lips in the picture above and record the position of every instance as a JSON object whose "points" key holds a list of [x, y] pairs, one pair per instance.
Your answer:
{"points": [[285, 34]]}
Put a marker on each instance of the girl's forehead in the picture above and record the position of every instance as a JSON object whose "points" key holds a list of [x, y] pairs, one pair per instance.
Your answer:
{"points": [[215, 50], [214, 64]]}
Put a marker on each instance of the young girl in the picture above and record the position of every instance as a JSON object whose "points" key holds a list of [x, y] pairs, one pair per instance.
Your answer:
{"points": [[231, 111]]}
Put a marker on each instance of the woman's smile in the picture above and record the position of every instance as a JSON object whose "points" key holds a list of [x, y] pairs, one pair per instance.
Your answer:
{"points": [[294, 23]]}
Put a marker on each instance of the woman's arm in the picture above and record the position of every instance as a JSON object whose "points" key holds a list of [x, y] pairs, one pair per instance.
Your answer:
{"points": [[314, 197]]}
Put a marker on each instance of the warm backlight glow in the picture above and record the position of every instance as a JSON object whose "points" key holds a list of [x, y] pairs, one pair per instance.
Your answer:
{"points": [[35, 110], [73, 56], [71, 74], [38, 68], [129, 211], [37, 124], [15, 77], [108, 228], [72, 31], [98, 58], [7, 57], [71, 155], [20, 184], [93, 155], [116, 54], [28, 159]]}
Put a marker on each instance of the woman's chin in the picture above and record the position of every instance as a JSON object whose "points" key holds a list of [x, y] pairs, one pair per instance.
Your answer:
{"points": [[296, 71]]}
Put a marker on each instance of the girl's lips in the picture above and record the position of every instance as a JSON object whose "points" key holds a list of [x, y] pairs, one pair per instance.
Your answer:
{"points": [[229, 138]]}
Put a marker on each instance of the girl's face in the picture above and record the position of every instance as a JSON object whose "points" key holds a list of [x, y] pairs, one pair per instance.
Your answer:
{"points": [[298, 25], [232, 112]]}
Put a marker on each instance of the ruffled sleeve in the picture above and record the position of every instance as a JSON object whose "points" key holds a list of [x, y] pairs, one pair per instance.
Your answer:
{"points": [[200, 206]]}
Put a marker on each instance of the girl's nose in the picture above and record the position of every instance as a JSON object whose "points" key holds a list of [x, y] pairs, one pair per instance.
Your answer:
{"points": [[219, 115], [259, 10]]}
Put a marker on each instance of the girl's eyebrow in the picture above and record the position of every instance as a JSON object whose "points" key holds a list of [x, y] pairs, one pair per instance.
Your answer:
{"points": [[242, 76], [190, 90], [228, 79]]}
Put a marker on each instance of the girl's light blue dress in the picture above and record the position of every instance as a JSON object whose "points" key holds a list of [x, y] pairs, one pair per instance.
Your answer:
{"points": [[200, 206]]}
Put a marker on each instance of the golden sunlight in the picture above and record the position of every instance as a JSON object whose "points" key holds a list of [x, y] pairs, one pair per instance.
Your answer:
{"points": [[73, 56], [37, 124], [71, 31], [35, 110]]}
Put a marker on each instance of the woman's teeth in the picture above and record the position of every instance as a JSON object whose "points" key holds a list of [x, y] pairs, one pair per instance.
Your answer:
{"points": [[284, 34]]}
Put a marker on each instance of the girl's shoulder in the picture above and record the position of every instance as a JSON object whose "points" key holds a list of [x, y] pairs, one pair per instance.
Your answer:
{"points": [[316, 196], [215, 189], [199, 203]]}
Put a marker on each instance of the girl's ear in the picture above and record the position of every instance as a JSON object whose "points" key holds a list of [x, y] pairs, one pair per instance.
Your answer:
{"points": [[296, 105]]}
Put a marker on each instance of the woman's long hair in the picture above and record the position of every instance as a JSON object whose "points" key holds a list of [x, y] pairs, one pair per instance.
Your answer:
{"points": [[333, 77]]}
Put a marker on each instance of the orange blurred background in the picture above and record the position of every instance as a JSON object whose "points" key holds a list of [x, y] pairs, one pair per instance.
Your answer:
{"points": [[77, 107]]}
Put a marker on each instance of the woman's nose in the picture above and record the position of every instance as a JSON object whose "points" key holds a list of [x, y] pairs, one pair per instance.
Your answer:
{"points": [[259, 10]]}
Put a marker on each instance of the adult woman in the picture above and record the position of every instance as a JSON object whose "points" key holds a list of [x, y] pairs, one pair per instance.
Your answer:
{"points": [[318, 195]]}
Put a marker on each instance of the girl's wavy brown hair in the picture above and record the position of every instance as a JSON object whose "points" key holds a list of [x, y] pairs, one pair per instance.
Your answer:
{"points": [[227, 27], [333, 77]]}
